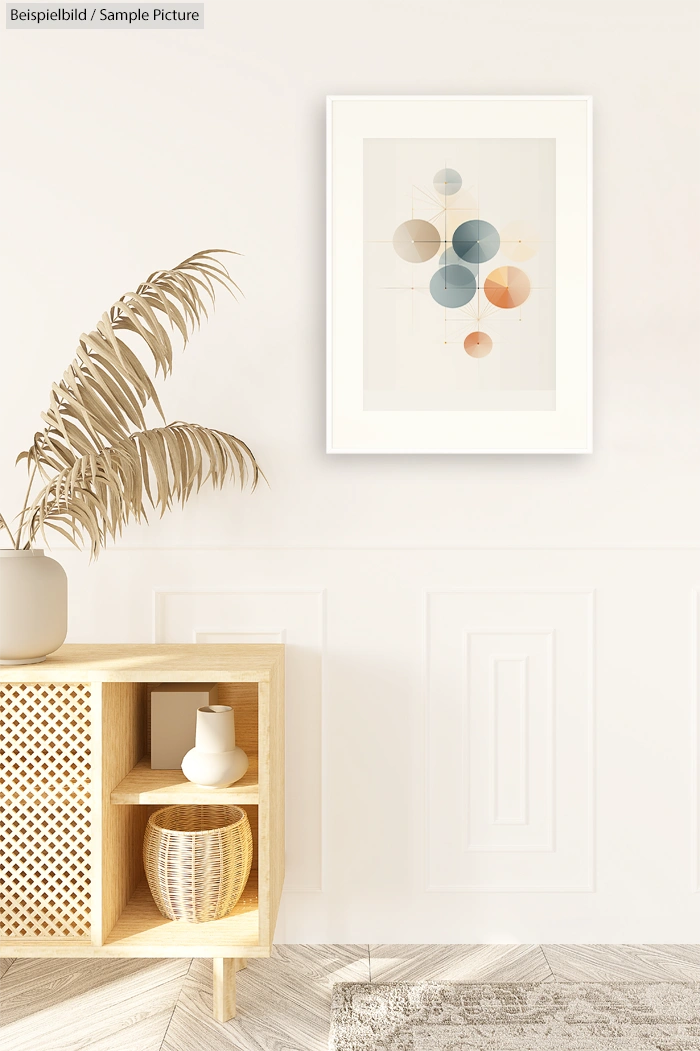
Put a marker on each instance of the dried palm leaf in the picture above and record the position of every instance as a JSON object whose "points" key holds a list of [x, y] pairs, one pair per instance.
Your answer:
{"points": [[99, 462], [103, 392], [4, 525], [95, 496]]}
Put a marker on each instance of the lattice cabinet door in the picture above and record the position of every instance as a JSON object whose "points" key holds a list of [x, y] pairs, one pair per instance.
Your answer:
{"points": [[45, 807]]}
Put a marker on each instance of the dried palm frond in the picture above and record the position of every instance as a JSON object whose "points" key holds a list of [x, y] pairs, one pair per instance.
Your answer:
{"points": [[4, 525], [104, 390], [99, 462], [100, 492]]}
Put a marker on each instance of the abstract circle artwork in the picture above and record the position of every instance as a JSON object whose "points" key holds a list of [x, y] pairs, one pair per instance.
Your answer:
{"points": [[507, 287], [447, 181], [452, 268], [457, 280], [453, 286], [476, 241], [416, 241], [478, 344]]}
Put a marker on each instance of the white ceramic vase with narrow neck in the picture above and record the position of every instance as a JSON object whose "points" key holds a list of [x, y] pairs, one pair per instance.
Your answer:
{"points": [[215, 761], [33, 606]]}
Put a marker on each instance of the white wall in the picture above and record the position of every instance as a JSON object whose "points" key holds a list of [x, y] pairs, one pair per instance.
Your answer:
{"points": [[127, 151]]}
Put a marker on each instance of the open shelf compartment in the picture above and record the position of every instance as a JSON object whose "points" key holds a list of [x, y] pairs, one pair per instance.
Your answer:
{"points": [[142, 785], [142, 931], [130, 920]]}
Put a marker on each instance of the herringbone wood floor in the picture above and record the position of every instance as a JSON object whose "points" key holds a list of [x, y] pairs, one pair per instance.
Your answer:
{"points": [[283, 1003]]}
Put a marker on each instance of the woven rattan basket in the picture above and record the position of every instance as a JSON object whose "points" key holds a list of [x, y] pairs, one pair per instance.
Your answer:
{"points": [[197, 860]]}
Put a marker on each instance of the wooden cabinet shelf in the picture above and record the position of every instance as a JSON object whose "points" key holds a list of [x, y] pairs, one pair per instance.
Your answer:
{"points": [[163, 787], [141, 929], [82, 788]]}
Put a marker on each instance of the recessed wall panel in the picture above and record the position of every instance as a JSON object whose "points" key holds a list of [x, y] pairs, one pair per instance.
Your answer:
{"points": [[509, 728]]}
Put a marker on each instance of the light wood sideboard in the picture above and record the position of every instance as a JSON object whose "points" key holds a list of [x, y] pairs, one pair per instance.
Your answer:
{"points": [[76, 790]]}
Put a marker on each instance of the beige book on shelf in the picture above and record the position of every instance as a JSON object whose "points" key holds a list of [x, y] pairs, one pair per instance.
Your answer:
{"points": [[174, 718]]}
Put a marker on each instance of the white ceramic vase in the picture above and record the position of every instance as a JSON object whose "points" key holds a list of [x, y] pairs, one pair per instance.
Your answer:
{"points": [[215, 761], [33, 606]]}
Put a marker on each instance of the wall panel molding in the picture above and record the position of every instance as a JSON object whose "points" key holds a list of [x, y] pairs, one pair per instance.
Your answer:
{"points": [[528, 735], [508, 711], [377, 711], [485, 650]]}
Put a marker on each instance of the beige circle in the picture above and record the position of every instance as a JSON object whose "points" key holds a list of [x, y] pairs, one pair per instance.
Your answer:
{"points": [[478, 344], [519, 241], [416, 241]]}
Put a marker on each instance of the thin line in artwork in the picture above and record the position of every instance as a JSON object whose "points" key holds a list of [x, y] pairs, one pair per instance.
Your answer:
{"points": [[533, 288], [486, 312], [426, 193], [433, 198]]}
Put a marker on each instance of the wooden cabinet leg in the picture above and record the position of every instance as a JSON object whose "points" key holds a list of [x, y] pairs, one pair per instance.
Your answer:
{"points": [[224, 989]]}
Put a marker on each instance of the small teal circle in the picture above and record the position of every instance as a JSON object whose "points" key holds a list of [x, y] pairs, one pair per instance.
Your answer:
{"points": [[447, 181], [453, 286]]}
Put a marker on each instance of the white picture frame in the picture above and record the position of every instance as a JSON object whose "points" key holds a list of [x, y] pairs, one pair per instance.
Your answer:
{"points": [[391, 388]]}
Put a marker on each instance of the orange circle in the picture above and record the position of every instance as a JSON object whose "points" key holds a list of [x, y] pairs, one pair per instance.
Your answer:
{"points": [[478, 344], [507, 287]]}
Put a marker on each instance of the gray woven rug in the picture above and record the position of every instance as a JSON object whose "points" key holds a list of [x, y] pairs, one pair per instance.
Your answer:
{"points": [[662, 1016]]}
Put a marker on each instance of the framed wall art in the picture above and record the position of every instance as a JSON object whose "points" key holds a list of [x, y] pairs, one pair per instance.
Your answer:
{"points": [[459, 274]]}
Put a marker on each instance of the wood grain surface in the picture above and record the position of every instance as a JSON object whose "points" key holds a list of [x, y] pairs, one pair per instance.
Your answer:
{"points": [[283, 1004]]}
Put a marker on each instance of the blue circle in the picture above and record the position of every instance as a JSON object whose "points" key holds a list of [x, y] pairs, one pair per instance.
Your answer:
{"points": [[476, 241], [447, 181], [450, 256], [452, 286]]}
